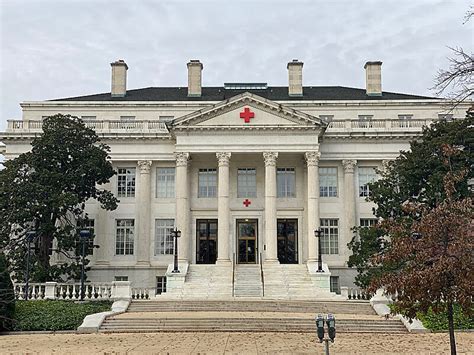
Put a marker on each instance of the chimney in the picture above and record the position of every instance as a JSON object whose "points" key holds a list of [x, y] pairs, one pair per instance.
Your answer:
{"points": [[194, 78], [295, 78], [119, 78], [373, 78]]}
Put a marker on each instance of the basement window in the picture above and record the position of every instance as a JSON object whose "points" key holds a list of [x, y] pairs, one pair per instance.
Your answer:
{"points": [[160, 285]]}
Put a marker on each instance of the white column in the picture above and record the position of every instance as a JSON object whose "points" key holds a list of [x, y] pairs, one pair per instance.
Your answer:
{"points": [[103, 236], [182, 205], [312, 162], [223, 208], [349, 203], [270, 207], [143, 207]]}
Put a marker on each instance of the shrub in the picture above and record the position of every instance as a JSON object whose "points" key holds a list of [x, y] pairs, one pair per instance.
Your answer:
{"points": [[54, 315], [7, 296], [439, 321]]}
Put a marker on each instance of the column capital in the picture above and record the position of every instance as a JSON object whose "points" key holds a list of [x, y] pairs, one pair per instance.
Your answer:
{"points": [[223, 158], [349, 165], [181, 159], [144, 166], [312, 158], [270, 158]]}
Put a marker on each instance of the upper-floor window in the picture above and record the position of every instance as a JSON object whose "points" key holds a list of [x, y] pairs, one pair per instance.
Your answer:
{"points": [[445, 116], [246, 182], [328, 182], [365, 121], [207, 183], [405, 117], [126, 182], [366, 175], [367, 222], [165, 182], [286, 182], [88, 118], [124, 236], [127, 118], [330, 236]]}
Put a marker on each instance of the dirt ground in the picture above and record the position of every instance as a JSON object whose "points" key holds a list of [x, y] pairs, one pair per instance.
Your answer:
{"points": [[231, 343]]}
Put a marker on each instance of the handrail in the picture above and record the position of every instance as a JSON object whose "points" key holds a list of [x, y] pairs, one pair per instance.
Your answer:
{"points": [[233, 273], [261, 273]]}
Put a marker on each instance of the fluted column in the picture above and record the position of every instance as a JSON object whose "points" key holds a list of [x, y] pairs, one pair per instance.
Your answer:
{"points": [[143, 208], [223, 208], [349, 202], [182, 205], [270, 207], [312, 163]]}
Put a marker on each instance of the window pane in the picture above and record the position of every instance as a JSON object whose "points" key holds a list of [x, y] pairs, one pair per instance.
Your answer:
{"points": [[124, 237], [328, 182], [286, 182], [366, 175], [165, 178], [246, 182], [207, 183], [126, 182], [164, 241], [330, 237]]}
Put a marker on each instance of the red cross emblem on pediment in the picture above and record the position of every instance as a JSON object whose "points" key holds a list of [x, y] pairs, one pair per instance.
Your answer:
{"points": [[247, 115], [247, 202]]}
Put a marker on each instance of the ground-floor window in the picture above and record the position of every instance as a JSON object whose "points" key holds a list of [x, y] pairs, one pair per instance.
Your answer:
{"points": [[368, 222], [160, 284], [334, 284], [164, 242], [124, 237], [330, 237]]}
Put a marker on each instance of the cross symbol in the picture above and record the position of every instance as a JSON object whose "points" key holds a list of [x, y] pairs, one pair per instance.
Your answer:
{"points": [[247, 202], [247, 115]]}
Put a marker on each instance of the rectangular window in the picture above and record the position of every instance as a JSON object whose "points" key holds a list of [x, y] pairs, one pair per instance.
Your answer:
{"points": [[121, 278], [405, 117], [328, 182], [445, 116], [160, 284], [88, 118], [165, 182], [334, 284], [164, 241], [365, 121], [368, 222], [246, 182], [124, 237], [127, 118], [366, 175], [330, 237], [126, 182], [207, 183], [286, 182]]}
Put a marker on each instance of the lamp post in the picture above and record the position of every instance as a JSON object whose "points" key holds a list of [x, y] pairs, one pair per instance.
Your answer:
{"points": [[318, 234], [176, 234], [30, 238], [84, 235]]}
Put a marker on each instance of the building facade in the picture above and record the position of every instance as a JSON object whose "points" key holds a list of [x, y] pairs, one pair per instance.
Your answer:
{"points": [[246, 172]]}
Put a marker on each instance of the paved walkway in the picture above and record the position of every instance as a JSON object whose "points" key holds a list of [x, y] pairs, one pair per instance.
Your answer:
{"points": [[232, 343]]}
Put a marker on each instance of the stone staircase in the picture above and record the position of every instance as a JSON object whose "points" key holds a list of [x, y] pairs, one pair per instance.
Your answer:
{"points": [[204, 282], [247, 316], [248, 281], [292, 281]]}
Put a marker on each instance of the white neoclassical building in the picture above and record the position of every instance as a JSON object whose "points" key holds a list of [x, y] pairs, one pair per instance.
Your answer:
{"points": [[247, 172]]}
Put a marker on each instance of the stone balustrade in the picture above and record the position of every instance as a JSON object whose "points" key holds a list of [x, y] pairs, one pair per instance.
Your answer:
{"points": [[94, 291], [354, 293], [377, 125], [100, 126]]}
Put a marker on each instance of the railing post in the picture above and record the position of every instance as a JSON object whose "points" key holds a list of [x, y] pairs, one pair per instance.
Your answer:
{"points": [[121, 290], [388, 125], [50, 290], [347, 124], [345, 292]]}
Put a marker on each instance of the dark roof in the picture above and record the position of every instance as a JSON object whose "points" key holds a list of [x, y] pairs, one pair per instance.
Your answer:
{"points": [[276, 93]]}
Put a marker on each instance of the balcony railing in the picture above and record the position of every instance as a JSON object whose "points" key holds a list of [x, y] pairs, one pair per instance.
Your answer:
{"points": [[105, 126], [377, 125]]}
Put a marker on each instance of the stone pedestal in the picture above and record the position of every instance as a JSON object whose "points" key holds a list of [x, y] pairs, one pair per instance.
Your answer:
{"points": [[121, 290], [312, 163], [143, 208], [270, 207], [223, 208], [182, 205]]}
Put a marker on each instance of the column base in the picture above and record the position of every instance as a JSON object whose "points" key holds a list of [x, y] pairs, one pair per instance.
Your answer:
{"points": [[223, 262]]}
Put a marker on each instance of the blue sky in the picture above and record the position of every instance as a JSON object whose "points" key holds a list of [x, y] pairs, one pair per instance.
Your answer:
{"points": [[52, 49]]}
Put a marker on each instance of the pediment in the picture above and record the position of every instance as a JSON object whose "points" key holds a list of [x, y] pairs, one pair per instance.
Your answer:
{"points": [[247, 111]]}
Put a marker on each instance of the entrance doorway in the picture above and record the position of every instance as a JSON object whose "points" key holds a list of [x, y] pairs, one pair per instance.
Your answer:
{"points": [[287, 239], [247, 241], [206, 241]]}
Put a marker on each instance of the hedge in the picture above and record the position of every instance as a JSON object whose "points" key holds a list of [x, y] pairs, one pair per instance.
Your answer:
{"points": [[439, 322], [54, 315]]}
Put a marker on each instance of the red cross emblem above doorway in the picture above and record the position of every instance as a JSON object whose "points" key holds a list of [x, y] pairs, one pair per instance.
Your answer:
{"points": [[247, 202], [247, 115]]}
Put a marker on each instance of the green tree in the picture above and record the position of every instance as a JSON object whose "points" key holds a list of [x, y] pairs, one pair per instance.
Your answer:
{"points": [[7, 296], [415, 177], [46, 189]]}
